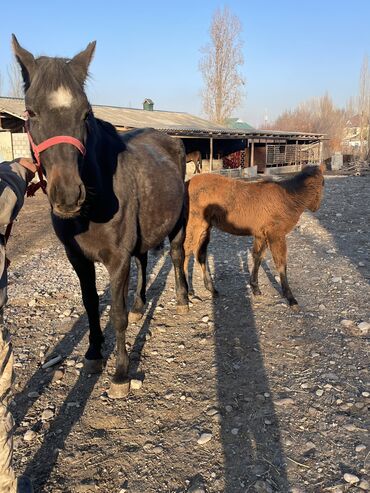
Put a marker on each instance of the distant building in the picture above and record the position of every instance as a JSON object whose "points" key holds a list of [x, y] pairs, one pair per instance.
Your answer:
{"points": [[352, 137], [239, 124]]}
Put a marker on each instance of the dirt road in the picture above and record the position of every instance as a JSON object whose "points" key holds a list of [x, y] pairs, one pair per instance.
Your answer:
{"points": [[240, 395]]}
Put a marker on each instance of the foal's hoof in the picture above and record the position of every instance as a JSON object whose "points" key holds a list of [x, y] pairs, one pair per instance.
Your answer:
{"points": [[134, 317], [119, 390], [182, 309], [93, 365]]}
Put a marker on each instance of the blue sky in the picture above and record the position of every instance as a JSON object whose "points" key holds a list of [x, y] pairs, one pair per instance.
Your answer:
{"points": [[293, 50]]}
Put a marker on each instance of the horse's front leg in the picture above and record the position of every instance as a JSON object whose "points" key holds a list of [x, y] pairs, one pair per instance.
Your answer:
{"points": [[201, 256], [259, 248], [119, 276], [138, 308], [85, 271]]}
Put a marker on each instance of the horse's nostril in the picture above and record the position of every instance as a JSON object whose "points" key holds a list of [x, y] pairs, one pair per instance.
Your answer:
{"points": [[82, 195]]}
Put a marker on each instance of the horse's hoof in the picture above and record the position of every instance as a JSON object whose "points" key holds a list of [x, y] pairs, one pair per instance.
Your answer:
{"points": [[119, 390], [93, 365], [295, 307], [256, 290], [134, 317], [182, 309]]}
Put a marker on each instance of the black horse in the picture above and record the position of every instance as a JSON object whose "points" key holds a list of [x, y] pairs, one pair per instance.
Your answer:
{"points": [[112, 197]]}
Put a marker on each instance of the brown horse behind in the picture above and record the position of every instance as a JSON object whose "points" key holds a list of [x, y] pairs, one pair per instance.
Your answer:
{"points": [[196, 157], [267, 210]]}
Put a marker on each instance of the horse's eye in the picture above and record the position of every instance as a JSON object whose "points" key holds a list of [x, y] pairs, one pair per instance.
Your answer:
{"points": [[31, 113]]}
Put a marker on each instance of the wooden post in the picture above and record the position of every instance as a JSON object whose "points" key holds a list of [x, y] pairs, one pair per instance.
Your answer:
{"points": [[296, 152], [211, 154], [252, 154]]}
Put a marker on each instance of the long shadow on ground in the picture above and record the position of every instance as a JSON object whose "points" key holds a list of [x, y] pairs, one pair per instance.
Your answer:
{"points": [[249, 426], [343, 226]]}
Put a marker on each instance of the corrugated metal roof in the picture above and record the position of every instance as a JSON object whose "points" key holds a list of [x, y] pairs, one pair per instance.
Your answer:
{"points": [[176, 123], [128, 117]]}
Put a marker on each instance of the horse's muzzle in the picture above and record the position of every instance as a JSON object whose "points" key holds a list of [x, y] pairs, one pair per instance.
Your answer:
{"points": [[67, 204]]}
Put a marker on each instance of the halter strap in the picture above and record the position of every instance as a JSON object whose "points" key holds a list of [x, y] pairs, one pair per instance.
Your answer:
{"points": [[59, 139]]}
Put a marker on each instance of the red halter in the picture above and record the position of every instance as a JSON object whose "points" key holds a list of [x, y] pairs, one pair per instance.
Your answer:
{"points": [[37, 150]]}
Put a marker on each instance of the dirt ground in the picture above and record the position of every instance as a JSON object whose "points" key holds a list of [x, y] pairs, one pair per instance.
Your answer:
{"points": [[240, 395]]}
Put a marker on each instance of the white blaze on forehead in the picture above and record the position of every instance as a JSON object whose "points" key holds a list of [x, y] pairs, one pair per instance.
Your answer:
{"points": [[61, 98]]}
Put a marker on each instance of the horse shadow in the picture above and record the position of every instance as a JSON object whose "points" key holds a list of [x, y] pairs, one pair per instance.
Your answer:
{"points": [[249, 427], [41, 465], [343, 227]]}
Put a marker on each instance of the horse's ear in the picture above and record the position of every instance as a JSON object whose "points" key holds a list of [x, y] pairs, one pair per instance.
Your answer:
{"points": [[26, 61], [80, 63]]}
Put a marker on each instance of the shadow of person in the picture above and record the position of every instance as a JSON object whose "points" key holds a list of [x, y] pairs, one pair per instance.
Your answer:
{"points": [[249, 427]]}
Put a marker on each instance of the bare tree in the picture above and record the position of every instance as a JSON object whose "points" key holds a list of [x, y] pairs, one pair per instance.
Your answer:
{"points": [[15, 81], [364, 107], [222, 58], [317, 115]]}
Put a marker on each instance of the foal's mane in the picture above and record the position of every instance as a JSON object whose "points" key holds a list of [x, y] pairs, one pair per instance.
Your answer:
{"points": [[298, 183]]}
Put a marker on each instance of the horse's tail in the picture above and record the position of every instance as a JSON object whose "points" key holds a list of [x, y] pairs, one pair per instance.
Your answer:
{"points": [[181, 158]]}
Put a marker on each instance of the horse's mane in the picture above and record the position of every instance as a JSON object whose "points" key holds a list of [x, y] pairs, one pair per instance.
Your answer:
{"points": [[107, 127]]}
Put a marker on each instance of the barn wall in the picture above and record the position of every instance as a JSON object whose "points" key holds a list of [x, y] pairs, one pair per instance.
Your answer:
{"points": [[260, 157], [6, 151], [21, 146]]}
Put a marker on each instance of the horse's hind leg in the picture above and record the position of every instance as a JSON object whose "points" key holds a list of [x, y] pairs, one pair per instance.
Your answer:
{"points": [[279, 253], [138, 307], [201, 256], [85, 271], [176, 238], [259, 247]]}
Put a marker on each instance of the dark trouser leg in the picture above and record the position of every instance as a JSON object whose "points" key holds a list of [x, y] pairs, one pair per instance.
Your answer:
{"points": [[119, 283], [138, 307], [85, 270], [259, 247], [279, 253], [176, 238]]}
